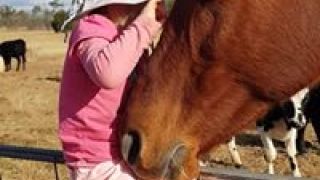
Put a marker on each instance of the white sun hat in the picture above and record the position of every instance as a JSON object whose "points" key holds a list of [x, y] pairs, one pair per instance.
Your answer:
{"points": [[81, 7]]}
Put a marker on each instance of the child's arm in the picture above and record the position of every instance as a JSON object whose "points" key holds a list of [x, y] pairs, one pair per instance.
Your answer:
{"points": [[110, 63]]}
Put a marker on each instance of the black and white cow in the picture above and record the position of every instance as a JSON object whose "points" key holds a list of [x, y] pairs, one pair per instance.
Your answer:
{"points": [[283, 123], [287, 122], [13, 49]]}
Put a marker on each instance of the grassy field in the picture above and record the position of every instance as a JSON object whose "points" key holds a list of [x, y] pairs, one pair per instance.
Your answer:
{"points": [[28, 115], [28, 103]]}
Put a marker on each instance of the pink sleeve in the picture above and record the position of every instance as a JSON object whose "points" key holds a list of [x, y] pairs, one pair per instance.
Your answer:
{"points": [[110, 63]]}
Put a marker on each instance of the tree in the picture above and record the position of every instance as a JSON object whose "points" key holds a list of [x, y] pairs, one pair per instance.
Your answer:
{"points": [[36, 10], [6, 15], [6, 11], [58, 20], [55, 4]]}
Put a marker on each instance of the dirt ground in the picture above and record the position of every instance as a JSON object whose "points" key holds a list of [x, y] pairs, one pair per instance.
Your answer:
{"points": [[28, 116]]}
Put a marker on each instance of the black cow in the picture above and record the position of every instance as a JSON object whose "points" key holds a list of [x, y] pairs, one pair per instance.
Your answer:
{"points": [[13, 49], [312, 112]]}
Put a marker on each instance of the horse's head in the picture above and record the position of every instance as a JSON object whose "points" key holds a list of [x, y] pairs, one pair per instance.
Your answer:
{"points": [[219, 66], [166, 89]]}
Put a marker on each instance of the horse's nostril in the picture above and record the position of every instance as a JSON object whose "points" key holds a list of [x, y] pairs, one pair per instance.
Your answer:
{"points": [[131, 146]]}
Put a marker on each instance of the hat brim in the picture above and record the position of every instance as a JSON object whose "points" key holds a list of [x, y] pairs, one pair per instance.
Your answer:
{"points": [[87, 7]]}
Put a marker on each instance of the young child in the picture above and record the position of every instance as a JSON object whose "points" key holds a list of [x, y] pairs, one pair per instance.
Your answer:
{"points": [[105, 45]]}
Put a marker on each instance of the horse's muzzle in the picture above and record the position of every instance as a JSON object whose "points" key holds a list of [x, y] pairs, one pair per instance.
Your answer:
{"points": [[170, 166]]}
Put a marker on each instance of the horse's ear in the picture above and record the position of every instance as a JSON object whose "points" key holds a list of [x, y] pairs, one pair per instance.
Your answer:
{"points": [[201, 27]]}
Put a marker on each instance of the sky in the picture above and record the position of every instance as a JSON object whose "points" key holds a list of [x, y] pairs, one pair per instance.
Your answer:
{"points": [[28, 4]]}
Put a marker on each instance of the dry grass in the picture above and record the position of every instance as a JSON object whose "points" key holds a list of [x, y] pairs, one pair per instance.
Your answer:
{"points": [[28, 114], [28, 103]]}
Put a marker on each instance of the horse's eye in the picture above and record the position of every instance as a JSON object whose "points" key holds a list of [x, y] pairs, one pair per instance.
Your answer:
{"points": [[205, 51]]}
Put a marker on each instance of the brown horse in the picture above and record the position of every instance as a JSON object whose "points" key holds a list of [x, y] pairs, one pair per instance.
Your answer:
{"points": [[220, 65]]}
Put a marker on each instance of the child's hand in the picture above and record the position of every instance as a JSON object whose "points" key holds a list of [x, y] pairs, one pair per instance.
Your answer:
{"points": [[154, 9]]}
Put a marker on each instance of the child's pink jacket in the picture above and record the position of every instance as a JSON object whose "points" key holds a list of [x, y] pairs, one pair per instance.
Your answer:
{"points": [[97, 64]]}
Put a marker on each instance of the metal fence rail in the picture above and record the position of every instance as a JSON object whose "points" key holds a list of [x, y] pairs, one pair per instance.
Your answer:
{"points": [[55, 157], [35, 154], [209, 173]]}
